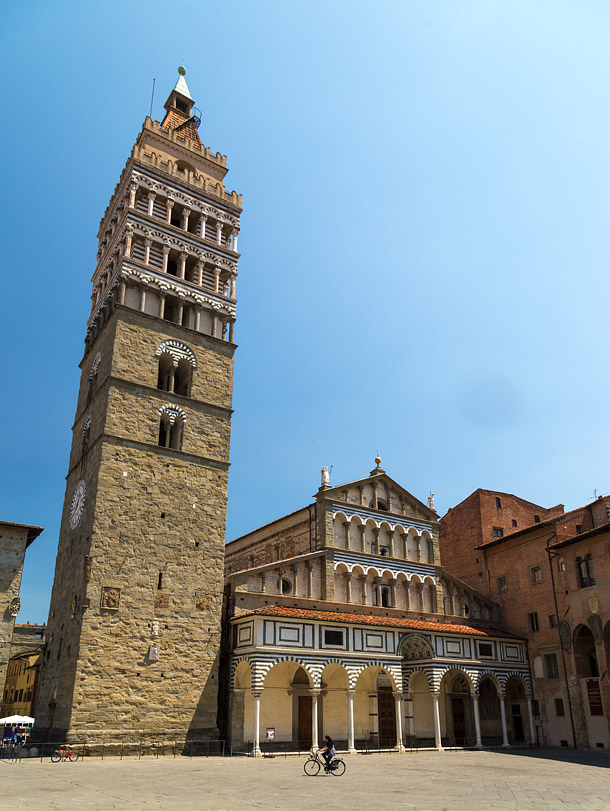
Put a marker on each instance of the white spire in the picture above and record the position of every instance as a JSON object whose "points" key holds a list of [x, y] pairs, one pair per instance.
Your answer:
{"points": [[181, 86]]}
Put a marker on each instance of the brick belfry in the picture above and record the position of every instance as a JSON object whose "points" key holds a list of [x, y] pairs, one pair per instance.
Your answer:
{"points": [[135, 619]]}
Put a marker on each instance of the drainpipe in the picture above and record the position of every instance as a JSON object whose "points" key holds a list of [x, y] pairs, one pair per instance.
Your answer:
{"points": [[563, 656]]}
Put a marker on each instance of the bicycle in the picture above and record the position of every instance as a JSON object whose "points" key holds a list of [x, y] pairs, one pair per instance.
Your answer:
{"points": [[313, 764], [64, 754]]}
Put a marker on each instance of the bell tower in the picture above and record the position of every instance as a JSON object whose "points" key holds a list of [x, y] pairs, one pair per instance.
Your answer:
{"points": [[134, 625]]}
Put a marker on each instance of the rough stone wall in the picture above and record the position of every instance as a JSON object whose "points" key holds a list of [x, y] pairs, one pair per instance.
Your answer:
{"points": [[144, 567], [12, 553], [27, 637]]}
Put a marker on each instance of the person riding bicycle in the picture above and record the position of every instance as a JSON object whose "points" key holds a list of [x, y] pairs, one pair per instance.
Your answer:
{"points": [[327, 751]]}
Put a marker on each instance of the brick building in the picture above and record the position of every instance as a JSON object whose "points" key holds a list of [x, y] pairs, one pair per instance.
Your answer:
{"points": [[551, 580]]}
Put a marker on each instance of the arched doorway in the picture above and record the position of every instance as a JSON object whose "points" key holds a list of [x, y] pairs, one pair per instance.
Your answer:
{"points": [[456, 691], [585, 655], [302, 709], [489, 712], [423, 711], [518, 717], [375, 708], [386, 712]]}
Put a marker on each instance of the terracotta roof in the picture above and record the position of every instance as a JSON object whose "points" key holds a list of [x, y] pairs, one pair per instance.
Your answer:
{"points": [[370, 619], [175, 119]]}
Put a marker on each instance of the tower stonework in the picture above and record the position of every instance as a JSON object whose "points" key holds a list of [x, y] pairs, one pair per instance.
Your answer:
{"points": [[134, 625]]}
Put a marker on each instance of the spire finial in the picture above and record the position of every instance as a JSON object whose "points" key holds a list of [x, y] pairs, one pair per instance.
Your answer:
{"points": [[378, 459], [182, 70]]}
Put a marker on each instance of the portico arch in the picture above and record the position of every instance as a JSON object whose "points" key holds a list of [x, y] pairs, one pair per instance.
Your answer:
{"points": [[489, 710], [456, 690], [375, 707], [334, 714], [287, 704]]}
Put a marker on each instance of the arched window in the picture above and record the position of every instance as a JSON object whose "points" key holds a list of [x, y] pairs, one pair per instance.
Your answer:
{"points": [[561, 565], [93, 375], [584, 567], [176, 364], [86, 434], [382, 596], [171, 427]]}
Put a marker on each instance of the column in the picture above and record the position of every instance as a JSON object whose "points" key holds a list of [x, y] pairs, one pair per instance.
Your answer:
{"points": [[180, 311], [199, 273], [398, 703], [408, 699], [151, 203], [231, 332], [172, 377], [169, 205], [437, 723], [530, 711], [182, 265], [128, 241], [362, 537], [392, 585], [348, 587], [162, 304], [147, 243], [407, 596], [214, 323], [202, 221], [197, 317], [142, 299], [505, 742], [217, 280], [420, 596], [314, 719], [405, 547], [309, 579], [165, 258], [477, 720], [122, 288], [219, 232], [132, 195], [234, 233], [232, 287], [351, 748], [186, 213], [256, 750], [419, 542]]}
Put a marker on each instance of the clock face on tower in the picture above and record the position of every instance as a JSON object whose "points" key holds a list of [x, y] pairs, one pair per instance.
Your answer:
{"points": [[78, 503]]}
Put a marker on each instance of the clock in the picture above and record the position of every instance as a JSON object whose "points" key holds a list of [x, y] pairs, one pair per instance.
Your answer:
{"points": [[78, 503]]}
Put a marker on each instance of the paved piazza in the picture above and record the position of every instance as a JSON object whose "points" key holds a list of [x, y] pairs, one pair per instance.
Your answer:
{"points": [[451, 780]]}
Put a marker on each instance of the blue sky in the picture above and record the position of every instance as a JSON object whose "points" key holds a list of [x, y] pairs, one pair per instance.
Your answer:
{"points": [[424, 239]]}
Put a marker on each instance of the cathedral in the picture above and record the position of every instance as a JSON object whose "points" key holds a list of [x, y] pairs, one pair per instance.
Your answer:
{"points": [[338, 618]]}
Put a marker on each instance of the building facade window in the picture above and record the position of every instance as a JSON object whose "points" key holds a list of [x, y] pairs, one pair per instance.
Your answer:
{"points": [[561, 565], [498, 503], [536, 519], [497, 532], [332, 637], [502, 583], [532, 621], [513, 522], [584, 568], [536, 574], [552, 621], [559, 708], [551, 666]]}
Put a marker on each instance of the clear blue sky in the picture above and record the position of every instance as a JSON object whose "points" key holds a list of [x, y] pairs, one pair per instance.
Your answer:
{"points": [[424, 241]]}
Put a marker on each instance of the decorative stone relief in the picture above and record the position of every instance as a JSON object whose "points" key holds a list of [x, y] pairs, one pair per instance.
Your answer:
{"points": [[14, 607], [202, 601], [153, 653], [162, 601], [415, 647], [111, 597], [154, 629], [95, 365]]}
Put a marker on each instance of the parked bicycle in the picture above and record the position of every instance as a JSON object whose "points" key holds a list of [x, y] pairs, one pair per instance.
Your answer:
{"points": [[313, 765], [64, 754]]}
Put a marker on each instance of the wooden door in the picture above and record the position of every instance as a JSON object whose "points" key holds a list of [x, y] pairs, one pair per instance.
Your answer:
{"points": [[304, 722], [459, 720], [386, 715]]}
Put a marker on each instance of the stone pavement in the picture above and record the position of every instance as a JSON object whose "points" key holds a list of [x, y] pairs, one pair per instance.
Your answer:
{"points": [[427, 781]]}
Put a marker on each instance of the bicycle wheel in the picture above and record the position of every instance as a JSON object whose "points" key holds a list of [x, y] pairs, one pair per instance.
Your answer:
{"points": [[311, 767], [55, 757], [72, 756], [337, 767]]}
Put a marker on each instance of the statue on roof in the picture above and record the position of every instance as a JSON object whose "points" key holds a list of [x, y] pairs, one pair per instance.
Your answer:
{"points": [[325, 476]]}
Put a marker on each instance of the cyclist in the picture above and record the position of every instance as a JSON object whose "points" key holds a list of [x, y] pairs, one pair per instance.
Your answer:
{"points": [[327, 751]]}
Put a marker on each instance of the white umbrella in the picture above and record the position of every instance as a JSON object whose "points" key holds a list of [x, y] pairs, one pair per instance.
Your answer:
{"points": [[17, 719]]}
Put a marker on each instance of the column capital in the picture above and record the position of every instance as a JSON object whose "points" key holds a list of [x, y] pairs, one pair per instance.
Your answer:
{"points": [[170, 202], [257, 692], [152, 195], [166, 249]]}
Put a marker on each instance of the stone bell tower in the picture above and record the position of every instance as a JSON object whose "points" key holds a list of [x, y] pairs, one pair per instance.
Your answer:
{"points": [[134, 626]]}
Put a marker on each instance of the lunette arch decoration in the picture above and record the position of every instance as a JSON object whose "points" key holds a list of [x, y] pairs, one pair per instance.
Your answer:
{"points": [[414, 646]]}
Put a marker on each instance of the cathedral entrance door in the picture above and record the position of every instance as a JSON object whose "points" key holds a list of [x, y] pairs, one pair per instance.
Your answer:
{"points": [[517, 723], [304, 722], [459, 720], [386, 714]]}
